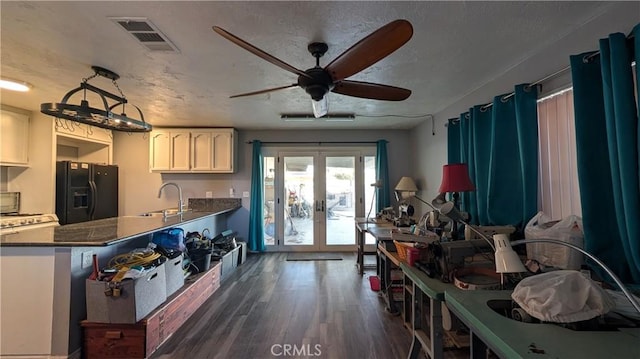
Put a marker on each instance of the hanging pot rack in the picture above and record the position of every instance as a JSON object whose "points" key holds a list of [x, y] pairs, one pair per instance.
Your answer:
{"points": [[104, 118]]}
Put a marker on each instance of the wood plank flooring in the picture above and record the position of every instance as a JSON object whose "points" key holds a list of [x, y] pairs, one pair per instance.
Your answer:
{"points": [[316, 308]]}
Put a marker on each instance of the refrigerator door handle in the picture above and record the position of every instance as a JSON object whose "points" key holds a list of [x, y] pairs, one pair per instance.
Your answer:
{"points": [[93, 198]]}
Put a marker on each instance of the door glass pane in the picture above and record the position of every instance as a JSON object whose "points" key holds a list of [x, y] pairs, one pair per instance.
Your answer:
{"points": [[297, 206], [269, 201], [340, 200], [369, 191]]}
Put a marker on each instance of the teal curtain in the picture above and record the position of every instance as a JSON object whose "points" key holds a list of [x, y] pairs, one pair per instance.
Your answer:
{"points": [[453, 140], [256, 215], [499, 144], [513, 166], [608, 152], [383, 194]]}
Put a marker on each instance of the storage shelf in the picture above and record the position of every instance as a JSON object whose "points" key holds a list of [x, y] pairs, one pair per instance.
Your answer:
{"points": [[423, 337], [409, 289]]}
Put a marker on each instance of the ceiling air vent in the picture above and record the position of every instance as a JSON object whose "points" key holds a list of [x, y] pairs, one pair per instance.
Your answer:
{"points": [[146, 33]]}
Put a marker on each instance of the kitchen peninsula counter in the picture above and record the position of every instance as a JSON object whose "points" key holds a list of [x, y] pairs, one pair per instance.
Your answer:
{"points": [[103, 232], [43, 273]]}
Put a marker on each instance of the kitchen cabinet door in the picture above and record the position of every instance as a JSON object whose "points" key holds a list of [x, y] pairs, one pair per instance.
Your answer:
{"points": [[14, 138], [180, 150], [201, 151], [223, 150], [159, 151]]}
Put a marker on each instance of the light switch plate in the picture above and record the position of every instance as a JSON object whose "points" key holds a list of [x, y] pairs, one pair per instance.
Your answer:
{"points": [[87, 259], [245, 194], [208, 194]]}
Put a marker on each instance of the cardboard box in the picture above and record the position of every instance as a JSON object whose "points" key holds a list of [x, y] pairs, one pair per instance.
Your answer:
{"points": [[138, 297], [174, 274]]}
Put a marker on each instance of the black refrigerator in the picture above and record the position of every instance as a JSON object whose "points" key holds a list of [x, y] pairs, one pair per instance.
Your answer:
{"points": [[85, 191]]}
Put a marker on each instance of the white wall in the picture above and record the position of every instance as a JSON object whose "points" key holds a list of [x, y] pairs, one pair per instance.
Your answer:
{"points": [[26, 314], [36, 183]]}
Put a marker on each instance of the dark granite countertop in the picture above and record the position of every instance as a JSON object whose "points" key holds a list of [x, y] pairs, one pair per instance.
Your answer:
{"points": [[102, 232]]}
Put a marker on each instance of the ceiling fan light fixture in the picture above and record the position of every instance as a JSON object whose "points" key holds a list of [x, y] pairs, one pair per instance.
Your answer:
{"points": [[320, 108], [318, 81], [99, 117]]}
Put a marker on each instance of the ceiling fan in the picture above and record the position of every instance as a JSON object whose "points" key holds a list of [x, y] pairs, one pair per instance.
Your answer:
{"points": [[317, 81]]}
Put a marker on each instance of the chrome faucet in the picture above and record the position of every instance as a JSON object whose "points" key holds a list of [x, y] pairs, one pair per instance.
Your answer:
{"points": [[180, 203]]}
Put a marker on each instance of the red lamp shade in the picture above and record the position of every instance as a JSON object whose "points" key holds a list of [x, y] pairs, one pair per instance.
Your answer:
{"points": [[455, 178]]}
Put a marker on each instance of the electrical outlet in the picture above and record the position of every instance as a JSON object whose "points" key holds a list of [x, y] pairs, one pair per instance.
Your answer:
{"points": [[245, 194], [87, 259], [208, 194]]}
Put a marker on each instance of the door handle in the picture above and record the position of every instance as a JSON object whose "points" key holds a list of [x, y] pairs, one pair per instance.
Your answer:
{"points": [[93, 198], [322, 205], [318, 206]]}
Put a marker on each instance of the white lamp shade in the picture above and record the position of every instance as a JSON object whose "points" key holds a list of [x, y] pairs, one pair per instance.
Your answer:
{"points": [[507, 260], [406, 184]]}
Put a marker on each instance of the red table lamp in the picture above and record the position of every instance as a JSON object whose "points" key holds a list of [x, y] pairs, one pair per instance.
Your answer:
{"points": [[455, 179]]}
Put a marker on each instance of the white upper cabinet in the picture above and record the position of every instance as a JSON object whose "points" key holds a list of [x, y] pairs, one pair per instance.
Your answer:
{"points": [[196, 150], [179, 150], [159, 151], [14, 139]]}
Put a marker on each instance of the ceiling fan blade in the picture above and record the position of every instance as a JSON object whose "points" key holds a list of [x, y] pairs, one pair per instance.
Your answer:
{"points": [[256, 51], [370, 50], [263, 91], [372, 91]]}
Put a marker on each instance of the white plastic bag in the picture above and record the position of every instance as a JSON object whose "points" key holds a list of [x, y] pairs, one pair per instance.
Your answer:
{"points": [[567, 230]]}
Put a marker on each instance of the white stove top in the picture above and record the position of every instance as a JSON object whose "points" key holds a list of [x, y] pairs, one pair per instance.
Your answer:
{"points": [[17, 222]]}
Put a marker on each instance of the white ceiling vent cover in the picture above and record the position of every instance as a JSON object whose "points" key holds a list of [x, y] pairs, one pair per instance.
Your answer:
{"points": [[146, 33]]}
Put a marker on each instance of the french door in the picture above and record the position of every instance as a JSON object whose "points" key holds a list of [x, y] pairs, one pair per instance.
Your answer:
{"points": [[312, 197]]}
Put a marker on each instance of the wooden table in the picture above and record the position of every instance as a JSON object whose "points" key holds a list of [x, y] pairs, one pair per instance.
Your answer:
{"points": [[386, 262], [512, 339], [378, 228]]}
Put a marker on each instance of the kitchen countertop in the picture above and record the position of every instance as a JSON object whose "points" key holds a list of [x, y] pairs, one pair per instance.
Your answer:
{"points": [[102, 232]]}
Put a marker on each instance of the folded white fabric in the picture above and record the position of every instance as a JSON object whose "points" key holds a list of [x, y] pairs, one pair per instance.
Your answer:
{"points": [[562, 296]]}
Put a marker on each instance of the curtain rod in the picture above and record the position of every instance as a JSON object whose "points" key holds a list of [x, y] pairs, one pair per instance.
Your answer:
{"points": [[586, 59], [315, 142]]}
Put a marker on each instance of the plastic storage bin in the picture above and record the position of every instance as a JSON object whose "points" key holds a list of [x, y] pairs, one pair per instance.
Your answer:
{"points": [[138, 297]]}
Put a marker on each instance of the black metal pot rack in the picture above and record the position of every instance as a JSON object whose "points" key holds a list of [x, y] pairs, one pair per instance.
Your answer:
{"points": [[104, 118]]}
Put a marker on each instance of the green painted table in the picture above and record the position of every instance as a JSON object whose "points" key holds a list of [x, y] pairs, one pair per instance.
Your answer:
{"points": [[512, 339], [423, 298]]}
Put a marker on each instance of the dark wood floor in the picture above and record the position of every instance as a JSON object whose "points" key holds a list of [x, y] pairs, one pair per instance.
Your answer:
{"points": [[322, 308]]}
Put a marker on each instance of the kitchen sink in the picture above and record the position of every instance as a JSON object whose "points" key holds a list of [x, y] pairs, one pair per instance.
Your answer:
{"points": [[165, 212], [150, 214]]}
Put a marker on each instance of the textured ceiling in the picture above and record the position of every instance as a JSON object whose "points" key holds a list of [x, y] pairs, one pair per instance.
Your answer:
{"points": [[457, 48]]}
